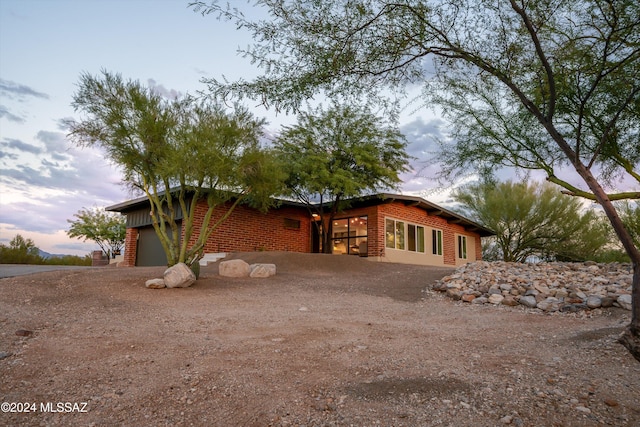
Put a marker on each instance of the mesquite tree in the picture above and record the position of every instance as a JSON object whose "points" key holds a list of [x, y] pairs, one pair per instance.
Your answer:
{"points": [[547, 84]]}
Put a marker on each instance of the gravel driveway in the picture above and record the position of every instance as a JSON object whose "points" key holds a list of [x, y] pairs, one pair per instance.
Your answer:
{"points": [[328, 341], [12, 270]]}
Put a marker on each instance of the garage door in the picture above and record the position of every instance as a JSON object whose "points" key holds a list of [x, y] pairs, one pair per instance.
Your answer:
{"points": [[150, 252]]}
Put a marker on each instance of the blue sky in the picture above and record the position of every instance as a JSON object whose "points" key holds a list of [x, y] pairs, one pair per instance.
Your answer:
{"points": [[44, 47]]}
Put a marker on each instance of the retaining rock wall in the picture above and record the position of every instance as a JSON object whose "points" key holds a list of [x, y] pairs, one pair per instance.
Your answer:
{"points": [[549, 287]]}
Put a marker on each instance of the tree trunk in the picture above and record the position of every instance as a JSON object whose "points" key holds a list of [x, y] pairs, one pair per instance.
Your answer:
{"points": [[327, 231], [631, 337]]}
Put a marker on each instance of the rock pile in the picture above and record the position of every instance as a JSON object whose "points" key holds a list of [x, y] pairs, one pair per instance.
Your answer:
{"points": [[550, 287], [240, 268], [177, 276]]}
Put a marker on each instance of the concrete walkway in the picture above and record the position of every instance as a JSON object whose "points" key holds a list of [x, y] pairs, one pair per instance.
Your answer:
{"points": [[12, 270]]}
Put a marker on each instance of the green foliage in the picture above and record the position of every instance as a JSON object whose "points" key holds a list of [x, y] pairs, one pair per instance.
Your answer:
{"points": [[25, 251], [630, 215], [534, 221], [69, 260], [107, 229], [20, 251], [178, 152], [339, 153], [534, 85]]}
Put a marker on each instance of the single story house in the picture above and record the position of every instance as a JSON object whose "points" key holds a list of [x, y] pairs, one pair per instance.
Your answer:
{"points": [[382, 227]]}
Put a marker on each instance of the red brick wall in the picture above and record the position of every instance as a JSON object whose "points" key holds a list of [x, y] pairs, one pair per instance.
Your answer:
{"points": [[130, 247], [248, 230]]}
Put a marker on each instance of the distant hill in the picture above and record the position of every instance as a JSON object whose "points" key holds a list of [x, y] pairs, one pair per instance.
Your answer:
{"points": [[47, 255]]}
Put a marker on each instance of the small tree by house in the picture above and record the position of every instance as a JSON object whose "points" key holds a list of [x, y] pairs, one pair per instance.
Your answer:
{"points": [[179, 153]]}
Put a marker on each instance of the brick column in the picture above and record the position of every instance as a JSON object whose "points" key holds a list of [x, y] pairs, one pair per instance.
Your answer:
{"points": [[130, 248]]}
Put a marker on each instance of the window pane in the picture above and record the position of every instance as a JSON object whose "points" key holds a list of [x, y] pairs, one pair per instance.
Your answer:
{"points": [[411, 237], [399, 235], [360, 226], [436, 242], [462, 247], [390, 233], [420, 239]]}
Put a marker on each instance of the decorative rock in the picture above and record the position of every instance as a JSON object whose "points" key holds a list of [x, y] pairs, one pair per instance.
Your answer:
{"points": [[155, 284], [262, 270], [594, 301], [234, 268], [549, 305], [454, 294], [496, 298], [468, 297], [625, 301], [550, 287], [179, 276], [607, 302], [528, 301], [509, 301], [610, 402]]}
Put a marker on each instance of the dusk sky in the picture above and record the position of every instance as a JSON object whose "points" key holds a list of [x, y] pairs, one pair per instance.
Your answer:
{"points": [[45, 45]]}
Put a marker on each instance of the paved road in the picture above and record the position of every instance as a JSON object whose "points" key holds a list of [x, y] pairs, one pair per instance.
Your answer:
{"points": [[11, 270]]}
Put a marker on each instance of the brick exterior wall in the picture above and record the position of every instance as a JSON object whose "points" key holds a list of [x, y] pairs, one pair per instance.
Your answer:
{"points": [[248, 230]]}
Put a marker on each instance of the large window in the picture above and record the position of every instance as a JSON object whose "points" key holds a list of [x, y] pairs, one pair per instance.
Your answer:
{"points": [[462, 247], [401, 235], [349, 236]]}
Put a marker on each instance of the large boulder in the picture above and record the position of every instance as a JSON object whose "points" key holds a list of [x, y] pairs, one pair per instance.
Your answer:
{"points": [[262, 270], [179, 276], [234, 268]]}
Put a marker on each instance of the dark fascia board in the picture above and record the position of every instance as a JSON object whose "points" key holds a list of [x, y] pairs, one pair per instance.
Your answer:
{"points": [[430, 208], [129, 205], [143, 202]]}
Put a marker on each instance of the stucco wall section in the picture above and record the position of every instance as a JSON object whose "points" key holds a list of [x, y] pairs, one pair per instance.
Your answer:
{"points": [[415, 215]]}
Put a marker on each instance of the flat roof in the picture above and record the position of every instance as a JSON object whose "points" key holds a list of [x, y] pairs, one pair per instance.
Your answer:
{"points": [[370, 200]]}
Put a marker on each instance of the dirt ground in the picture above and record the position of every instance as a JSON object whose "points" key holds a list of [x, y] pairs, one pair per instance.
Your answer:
{"points": [[328, 341]]}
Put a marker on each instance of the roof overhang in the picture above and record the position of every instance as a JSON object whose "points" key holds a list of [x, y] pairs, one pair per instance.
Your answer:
{"points": [[371, 200], [428, 207]]}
